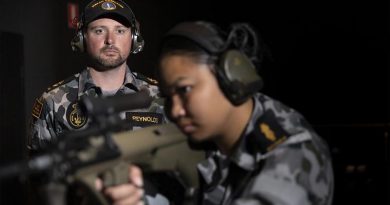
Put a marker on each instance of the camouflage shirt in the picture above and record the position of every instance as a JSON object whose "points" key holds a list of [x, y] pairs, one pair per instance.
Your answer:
{"points": [[278, 160], [57, 110]]}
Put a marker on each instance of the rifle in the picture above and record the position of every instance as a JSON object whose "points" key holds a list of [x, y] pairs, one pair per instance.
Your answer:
{"points": [[105, 151]]}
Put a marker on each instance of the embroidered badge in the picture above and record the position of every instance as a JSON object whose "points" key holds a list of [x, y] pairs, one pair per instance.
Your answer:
{"points": [[269, 133], [55, 86], [152, 81], [108, 5], [37, 108], [144, 119], [75, 116], [146, 79], [266, 130]]}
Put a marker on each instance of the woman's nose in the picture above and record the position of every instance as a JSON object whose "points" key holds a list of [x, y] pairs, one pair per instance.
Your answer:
{"points": [[176, 108]]}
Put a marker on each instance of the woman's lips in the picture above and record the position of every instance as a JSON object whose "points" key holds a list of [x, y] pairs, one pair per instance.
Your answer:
{"points": [[187, 127]]}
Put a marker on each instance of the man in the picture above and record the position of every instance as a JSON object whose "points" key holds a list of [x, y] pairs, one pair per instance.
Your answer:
{"points": [[107, 33]]}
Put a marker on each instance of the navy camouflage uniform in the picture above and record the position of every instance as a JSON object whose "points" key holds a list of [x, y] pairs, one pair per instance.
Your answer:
{"points": [[278, 160], [57, 111]]}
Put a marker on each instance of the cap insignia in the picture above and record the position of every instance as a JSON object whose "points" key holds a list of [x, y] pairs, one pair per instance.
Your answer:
{"points": [[108, 5]]}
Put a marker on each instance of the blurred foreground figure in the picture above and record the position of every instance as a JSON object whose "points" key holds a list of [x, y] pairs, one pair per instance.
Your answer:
{"points": [[259, 150]]}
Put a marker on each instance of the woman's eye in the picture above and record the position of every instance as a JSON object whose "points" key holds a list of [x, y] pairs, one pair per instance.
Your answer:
{"points": [[183, 90]]}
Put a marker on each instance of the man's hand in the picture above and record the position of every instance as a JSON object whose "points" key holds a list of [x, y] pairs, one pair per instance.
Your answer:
{"points": [[131, 193]]}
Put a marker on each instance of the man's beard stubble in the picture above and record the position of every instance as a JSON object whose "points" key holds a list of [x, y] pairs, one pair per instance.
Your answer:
{"points": [[104, 64]]}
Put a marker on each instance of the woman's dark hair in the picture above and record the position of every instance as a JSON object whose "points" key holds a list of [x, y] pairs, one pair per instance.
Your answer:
{"points": [[178, 45]]}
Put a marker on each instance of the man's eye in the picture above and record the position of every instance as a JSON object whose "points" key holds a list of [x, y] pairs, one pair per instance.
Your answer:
{"points": [[121, 31], [98, 31]]}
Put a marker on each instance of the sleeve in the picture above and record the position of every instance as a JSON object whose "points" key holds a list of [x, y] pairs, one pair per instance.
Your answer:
{"points": [[158, 199], [298, 174], [41, 130]]}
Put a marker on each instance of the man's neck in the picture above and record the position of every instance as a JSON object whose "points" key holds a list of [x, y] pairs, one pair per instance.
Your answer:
{"points": [[109, 80]]}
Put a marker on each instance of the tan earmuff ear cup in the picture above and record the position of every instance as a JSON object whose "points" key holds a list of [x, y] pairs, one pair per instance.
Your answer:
{"points": [[237, 66], [237, 76]]}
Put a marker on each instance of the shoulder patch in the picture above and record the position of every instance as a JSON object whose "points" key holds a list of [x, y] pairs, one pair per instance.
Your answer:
{"points": [[268, 132], [62, 82], [37, 108], [146, 79]]}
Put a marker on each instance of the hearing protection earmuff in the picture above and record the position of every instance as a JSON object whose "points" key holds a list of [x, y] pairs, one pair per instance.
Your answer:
{"points": [[78, 41], [236, 73]]}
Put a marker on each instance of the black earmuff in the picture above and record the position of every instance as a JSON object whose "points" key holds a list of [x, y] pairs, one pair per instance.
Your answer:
{"points": [[138, 42], [235, 52], [78, 41]]}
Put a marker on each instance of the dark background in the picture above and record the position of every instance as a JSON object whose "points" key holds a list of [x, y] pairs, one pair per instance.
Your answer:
{"points": [[330, 62]]}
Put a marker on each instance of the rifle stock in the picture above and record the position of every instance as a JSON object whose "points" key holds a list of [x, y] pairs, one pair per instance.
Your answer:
{"points": [[141, 146], [80, 157], [161, 147]]}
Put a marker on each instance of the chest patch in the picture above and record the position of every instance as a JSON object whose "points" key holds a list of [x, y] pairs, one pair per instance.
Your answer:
{"points": [[144, 119], [76, 118]]}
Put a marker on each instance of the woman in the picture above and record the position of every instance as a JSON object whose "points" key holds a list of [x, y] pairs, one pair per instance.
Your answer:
{"points": [[262, 152]]}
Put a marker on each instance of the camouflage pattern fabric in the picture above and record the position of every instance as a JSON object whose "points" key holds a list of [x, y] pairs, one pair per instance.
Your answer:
{"points": [[279, 160], [57, 110]]}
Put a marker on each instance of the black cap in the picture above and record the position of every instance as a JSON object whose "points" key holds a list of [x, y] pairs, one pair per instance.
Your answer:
{"points": [[97, 8]]}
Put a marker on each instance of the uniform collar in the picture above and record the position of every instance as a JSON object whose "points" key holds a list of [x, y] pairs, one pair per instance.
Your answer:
{"points": [[86, 84], [88, 87], [130, 80]]}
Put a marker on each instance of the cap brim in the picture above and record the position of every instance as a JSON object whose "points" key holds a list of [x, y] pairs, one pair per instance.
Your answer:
{"points": [[115, 15]]}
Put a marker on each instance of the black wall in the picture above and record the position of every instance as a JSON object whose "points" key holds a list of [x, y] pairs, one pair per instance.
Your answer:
{"points": [[12, 146]]}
